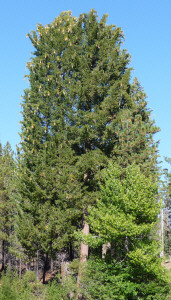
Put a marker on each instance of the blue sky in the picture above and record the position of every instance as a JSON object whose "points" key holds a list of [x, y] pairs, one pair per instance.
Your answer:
{"points": [[147, 28]]}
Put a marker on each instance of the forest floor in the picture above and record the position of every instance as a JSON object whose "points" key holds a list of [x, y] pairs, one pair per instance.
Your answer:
{"points": [[49, 276], [167, 263]]}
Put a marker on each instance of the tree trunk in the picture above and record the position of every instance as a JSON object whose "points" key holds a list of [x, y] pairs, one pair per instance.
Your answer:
{"points": [[3, 255], [45, 268], [51, 265], [64, 269], [71, 251], [20, 267], [9, 261], [37, 266], [83, 255], [105, 249], [84, 247]]}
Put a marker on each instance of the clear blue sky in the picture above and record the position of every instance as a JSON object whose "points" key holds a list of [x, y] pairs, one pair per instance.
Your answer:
{"points": [[147, 29]]}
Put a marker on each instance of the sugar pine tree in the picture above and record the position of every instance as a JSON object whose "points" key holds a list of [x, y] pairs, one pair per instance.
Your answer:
{"points": [[79, 87], [65, 112]]}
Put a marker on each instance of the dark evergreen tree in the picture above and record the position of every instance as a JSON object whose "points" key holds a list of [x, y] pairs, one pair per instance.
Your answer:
{"points": [[79, 96], [134, 133]]}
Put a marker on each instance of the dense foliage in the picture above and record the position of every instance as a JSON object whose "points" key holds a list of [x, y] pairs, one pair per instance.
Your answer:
{"points": [[87, 157], [125, 217]]}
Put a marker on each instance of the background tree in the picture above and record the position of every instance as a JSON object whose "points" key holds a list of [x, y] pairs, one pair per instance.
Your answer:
{"points": [[6, 204], [167, 210]]}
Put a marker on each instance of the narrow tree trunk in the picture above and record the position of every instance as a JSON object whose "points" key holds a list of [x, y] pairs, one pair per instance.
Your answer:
{"points": [[9, 261], [20, 267], [51, 265], [83, 254], [45, 268], [105, 248], [28, 266], [37, 266], [71, 251], [3, 255]]}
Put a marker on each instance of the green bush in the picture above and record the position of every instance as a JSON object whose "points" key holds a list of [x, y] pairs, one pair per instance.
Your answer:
{"points": [[16, 288], [110, 280], [8, 289], [57, 290]]}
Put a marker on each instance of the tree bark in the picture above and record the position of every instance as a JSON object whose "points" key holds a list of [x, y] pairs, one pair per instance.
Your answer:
{"points": [[105, 248], [83, 255], [20, 267], [3, 255], [64, 269], [71, 251], [51, 265], [37, 266], [45, 268], [84, 247]]}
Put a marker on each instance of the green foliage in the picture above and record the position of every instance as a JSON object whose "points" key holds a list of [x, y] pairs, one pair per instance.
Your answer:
{"points": [[128, 207], [81, 114], [166, 190], [167, 185], [112, 280], [58, 291], [74, 115], [134, 133], [7, 290], [167, 243], [79, 79], [125, 215], [6, 204], [16, 288]]}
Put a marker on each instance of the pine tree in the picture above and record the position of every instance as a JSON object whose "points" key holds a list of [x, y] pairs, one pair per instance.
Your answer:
{"points": [[126, 216], [79, 93], [134, 133], [166, 213], [6, 203]]}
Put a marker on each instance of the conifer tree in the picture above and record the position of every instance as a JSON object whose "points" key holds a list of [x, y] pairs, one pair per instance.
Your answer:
{"points": [[125, 215], [79, 92], [6, 203], [166, 213], [134, 135]]}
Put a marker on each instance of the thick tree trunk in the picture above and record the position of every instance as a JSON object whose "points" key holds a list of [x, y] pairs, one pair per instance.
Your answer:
{"points": [[84, 247], [64, 269]]}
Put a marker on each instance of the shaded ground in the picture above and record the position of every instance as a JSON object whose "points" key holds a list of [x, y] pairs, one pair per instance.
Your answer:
{"points": [[167, 264], [49, 277]]}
